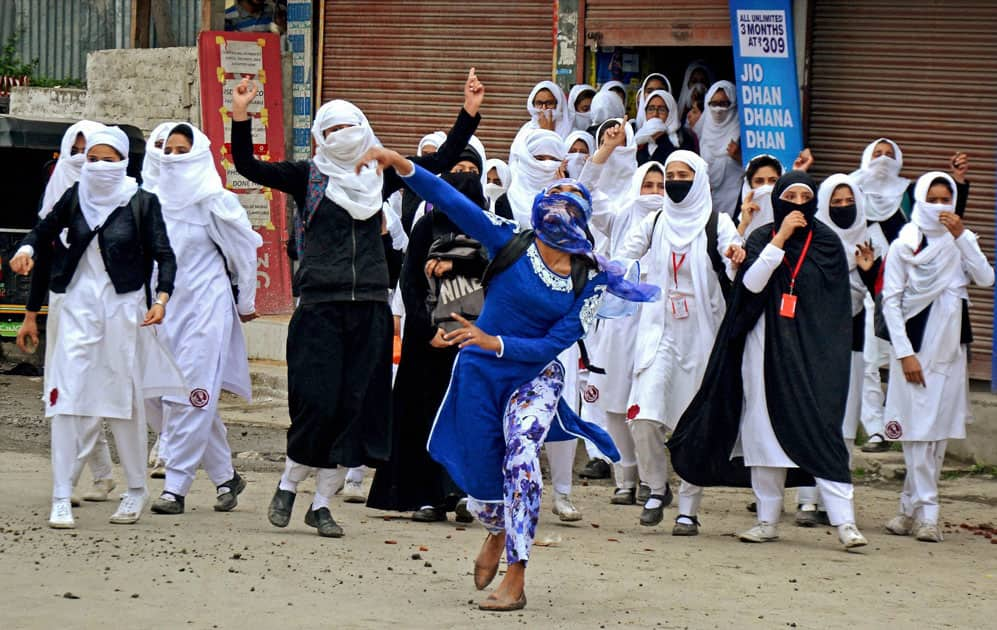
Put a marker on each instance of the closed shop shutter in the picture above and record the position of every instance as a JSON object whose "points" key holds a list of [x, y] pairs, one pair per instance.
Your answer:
{"points": [[404, 63], [657, 23], [922, 76]]}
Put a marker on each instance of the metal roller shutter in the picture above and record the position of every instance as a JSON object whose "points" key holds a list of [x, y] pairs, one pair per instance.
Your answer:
{"points": [[404, 63], [657, 23], [923, 77]]}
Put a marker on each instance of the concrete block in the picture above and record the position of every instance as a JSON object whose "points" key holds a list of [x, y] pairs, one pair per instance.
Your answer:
{"points": [[38, 103], [980, 445], [266, 338]]}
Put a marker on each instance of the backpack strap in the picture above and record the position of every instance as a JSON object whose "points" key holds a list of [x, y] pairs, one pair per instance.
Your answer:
{"points": [[505, 257], [317, 183]]}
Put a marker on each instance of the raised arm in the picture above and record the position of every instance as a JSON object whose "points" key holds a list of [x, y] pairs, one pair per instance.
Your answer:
{"points": [[289, 177], [489, 230], [638, 239]]}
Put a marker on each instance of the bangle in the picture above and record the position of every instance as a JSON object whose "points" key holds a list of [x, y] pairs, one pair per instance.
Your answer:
{"points": [[161, 303]]}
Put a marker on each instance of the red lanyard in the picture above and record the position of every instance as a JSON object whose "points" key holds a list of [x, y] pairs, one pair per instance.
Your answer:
{"points": [[799, 263], [676, 266]]}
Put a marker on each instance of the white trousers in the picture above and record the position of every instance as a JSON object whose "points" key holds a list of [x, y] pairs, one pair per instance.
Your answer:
{"points": [[769, 483], [154, 418], [197, 438], [877, 355], [100, 458], [355, 475], [561, 459], [328, 481], [690, 496], [625, 470], [593, 413], [74, 439], [808, 495], [919, 497], [652, 460]]}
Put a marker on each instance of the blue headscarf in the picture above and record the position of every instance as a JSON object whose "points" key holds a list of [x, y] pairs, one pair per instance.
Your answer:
{"points": [[560, 220]]}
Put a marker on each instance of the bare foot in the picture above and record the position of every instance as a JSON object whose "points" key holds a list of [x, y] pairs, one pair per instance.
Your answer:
{"points": [[510, 594], [487, 563]]}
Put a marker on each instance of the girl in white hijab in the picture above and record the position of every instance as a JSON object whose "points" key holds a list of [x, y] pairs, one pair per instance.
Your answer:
{"points": [[652, 83], [606, 105], [614, 174], [216, 249], [534, 164], [336, 155], [580, 105], [662, 132], [698, 77], [579, 145], [431, 140], [676, 337], [928, 270], [154, 155], [69, 166], [719, 145], [495, 181], [105, 360]]}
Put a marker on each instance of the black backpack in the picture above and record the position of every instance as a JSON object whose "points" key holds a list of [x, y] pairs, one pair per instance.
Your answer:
{"points": [[455, 292], [711, 249], [514, 250]]}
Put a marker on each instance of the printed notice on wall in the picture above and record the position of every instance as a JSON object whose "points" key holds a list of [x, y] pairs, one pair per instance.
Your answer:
{"points": [[767, 86], [241, 57]]}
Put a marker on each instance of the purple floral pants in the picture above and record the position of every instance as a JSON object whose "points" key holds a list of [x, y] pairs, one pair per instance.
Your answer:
{"points": [[528, 417]]}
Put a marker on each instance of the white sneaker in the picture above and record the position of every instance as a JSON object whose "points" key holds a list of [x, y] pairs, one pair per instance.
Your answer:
{"points": [[926, 531], [353, 492], [900, 525], [850, 536], [564, 509], [760, 533], [101, 488], [61, 516], [130, 508]]}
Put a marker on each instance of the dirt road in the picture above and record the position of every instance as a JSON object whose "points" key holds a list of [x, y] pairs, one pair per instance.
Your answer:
{"points": [[210, 570]]}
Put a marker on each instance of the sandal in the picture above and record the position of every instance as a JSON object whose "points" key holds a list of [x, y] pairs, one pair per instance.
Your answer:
{"points": [[519, 604]]}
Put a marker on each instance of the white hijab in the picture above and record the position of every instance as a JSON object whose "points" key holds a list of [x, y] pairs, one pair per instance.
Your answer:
{"points": [[336, 157], [653, 126], [683, 221], [616, 174], [762, 196], [642, 95], [720, 128], [880, 181], [494, 191], [105, 186], [68, 167], [850, 236], [633, 206], [435, 139], [529, 176], [563, 114], [581, 120], [576, 160], [607, 104], [685, 94], [154, 155], [609, 85]]}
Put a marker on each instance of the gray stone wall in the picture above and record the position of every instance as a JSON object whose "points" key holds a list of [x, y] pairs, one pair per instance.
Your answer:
{"points": [[48, 103]]}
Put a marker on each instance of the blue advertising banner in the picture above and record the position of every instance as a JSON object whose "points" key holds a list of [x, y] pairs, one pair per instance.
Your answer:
{"points": [[768, 95]]}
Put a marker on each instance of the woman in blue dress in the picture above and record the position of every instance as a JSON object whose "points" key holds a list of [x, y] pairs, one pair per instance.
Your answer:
{"points": [[505, 391]]}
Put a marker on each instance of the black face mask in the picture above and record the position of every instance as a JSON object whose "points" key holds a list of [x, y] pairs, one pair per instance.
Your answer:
{"points": [[782, 209], [843, 216], [469, 185], [678, 190]]}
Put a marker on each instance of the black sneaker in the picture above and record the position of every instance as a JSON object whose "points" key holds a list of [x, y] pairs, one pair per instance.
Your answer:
{"points": [[624, 496], [322, 520], [596, 469], [876, 446], [686, 529], [652, 516], [227, 500], [279, 512], [168, 503], [643, 493], [429, 515]]}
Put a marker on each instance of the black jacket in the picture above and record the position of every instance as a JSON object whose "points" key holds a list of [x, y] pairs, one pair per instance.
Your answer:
{"points": [[665, 148], [128, 252], [344, 259]]}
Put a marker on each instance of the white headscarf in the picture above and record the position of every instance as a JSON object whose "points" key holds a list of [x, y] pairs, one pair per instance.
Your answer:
{"points": [[435, 139], [642, 95], [336, 157], [617, 173], [925, 215], [654, 125], [494, 191], [850, 236], [633, 206], [563, 118], [685, 220], [685, 94], [720, 128], [530, 175], [880, 181], [761, 196], [68, 167], [105, 186], [154, 155], [609, 85], [575, 160], [581, 120], [607, 105]]}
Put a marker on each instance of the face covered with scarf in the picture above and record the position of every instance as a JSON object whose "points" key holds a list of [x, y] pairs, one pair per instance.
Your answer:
{"points": [[104, 183], [577, 156], [342, 135], [188, 178], [927, 212], [795, 191], [879, 178], [846, 219], [495, 189], [69, 166]]}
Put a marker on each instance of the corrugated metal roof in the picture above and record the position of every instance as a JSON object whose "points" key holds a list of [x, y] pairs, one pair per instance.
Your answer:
{"points": [[60, 33]]}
